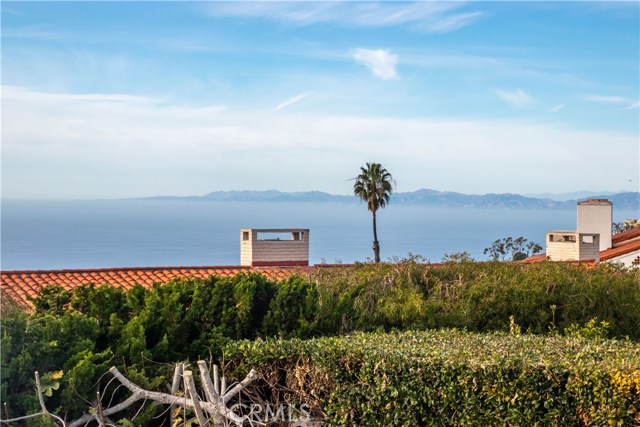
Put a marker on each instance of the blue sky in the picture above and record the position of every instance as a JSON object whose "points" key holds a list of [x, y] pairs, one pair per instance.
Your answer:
{"points": [[120, 99]]}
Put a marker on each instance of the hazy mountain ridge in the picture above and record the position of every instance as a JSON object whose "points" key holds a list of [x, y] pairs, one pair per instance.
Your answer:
{"points": [[573, 195], [428, 197]]}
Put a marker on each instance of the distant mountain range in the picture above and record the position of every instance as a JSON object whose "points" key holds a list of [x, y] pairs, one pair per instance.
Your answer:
{"points": [[426, 197], [574, 195]]}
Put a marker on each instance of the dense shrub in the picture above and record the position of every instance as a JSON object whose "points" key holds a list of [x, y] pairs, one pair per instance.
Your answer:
{"points": [[454, 378], [478, 297], [293, 309], [78, 335], [74, 336]]}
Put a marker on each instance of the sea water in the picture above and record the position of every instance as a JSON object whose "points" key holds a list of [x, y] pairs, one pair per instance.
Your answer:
{"points": [[124, 233]]}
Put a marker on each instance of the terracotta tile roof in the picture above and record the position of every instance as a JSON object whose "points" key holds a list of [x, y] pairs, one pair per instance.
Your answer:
{"points": [[620, 250], [625, 235], [624, 243], [535, 258], [20, 284]]}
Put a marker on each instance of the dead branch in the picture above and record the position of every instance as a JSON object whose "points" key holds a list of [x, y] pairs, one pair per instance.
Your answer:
{"points": [[175, 384], [190, 387], [44, 412], [213, 408]]}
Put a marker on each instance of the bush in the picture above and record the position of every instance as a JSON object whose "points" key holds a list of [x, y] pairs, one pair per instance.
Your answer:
{"points": [[81, 332], [478, 297], [292, 310], [453, 378]]}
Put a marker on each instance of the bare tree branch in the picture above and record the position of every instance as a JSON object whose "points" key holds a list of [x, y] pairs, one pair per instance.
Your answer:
{"points": [[175, 384], [252, 376], [190, 386], [215, 406], [209, 386], [44, 413]]}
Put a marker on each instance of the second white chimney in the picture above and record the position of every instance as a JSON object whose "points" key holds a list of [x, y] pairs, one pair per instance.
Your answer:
{"points": [[596, 216]]}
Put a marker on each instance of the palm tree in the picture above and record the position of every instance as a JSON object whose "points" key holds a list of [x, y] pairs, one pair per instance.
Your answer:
{"points": [[374, 186]]}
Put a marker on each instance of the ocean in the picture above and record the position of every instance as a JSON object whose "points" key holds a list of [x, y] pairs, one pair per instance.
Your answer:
{"points": [[128, 233]]}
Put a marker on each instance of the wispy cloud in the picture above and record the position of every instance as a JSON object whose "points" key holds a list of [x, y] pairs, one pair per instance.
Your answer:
{"points": [[453, 22], [438, 17], [607, 99], [517, 99], [34, 33], [381, 62], [293, 100], [613, 99], [18, 94], [633, 106], [45, 149], [557, 108]]}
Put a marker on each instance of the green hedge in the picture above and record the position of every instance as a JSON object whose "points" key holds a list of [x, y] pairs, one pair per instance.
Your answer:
{"points": [[477, 296], [143, 331], [453, 378]]}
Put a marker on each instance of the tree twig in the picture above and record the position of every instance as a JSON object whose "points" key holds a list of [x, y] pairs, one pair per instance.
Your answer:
{"points": [[190, 386]]}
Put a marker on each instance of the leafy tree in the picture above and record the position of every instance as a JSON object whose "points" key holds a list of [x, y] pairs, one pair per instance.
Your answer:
{"points": [[464, 256], [374, 185], [626, 225], [515, 249], [292, 310]]}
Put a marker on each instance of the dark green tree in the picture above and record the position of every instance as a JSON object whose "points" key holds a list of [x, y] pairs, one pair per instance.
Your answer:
{"points": [[374, 185], [514, 249]]}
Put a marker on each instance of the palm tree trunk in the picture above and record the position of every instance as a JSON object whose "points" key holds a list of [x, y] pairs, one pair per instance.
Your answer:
{"points": [[376, 245]]}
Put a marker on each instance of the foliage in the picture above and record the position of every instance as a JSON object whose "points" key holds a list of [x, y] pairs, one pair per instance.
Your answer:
{"points": [[626, 225], [72, 337], [57, 347], [477, 296], [454, 378], [374, 186], [514, 249], [592, 330], [464, 256], [293, 310]]}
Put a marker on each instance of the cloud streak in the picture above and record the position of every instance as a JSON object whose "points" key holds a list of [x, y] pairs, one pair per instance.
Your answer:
{"points": [[613, 99], [607, 99], [436, 17], [34, 33], [293, 100], [633, 106], [382, 63], [517, 99], [162, 148]]}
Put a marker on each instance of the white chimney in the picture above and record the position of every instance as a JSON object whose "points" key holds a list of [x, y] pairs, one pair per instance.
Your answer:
{"points": [[270, 247], [596, 216]]}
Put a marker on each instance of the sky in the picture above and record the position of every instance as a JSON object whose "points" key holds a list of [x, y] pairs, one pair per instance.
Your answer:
{"points": [[132, 99]]}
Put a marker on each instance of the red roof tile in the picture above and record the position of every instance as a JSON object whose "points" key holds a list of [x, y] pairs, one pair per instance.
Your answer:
{"points": [[19, 284], [535, 258], [620, 250], [625, 235], [624, 243]]}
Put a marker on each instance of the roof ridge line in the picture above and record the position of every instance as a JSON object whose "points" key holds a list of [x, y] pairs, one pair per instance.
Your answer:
{"points": [[103, 269]]}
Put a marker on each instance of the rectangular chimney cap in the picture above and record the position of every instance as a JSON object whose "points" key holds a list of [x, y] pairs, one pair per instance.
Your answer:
{"points": [[595, 202]]}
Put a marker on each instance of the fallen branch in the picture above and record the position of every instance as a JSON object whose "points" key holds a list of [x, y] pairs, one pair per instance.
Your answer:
{"points": [[44, 413], [214, 408]]}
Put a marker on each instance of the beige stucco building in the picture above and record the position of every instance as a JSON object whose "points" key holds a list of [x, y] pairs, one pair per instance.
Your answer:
{"points": [[593, 240], [274, 247], [573, 246]]}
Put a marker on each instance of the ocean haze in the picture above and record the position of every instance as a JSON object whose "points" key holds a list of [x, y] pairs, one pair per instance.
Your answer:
{"points": [[426, 197], [148, 232]]}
